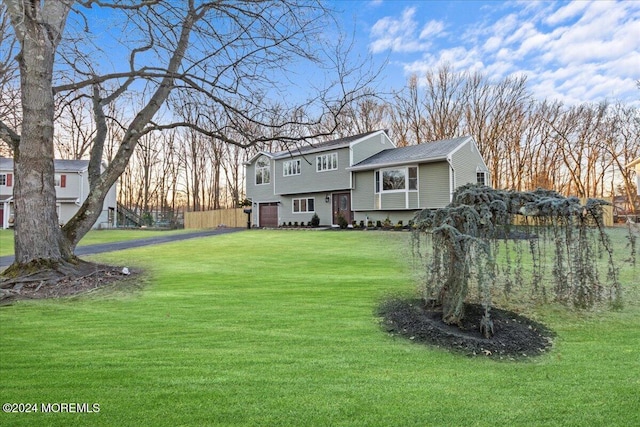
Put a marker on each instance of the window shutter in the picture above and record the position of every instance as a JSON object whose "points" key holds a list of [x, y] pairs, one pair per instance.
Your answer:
{"points": [[63, 181], [9, 180]]}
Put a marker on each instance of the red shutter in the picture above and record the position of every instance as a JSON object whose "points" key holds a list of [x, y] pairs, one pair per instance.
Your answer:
{"points": [[9, 180], [63, 181]]}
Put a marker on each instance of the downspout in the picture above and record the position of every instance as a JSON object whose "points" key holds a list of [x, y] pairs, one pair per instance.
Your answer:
{"points": [[80, 200]]}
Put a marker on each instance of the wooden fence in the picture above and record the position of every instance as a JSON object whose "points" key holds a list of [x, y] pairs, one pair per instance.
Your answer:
{"points": [[213, 219], [607, 214]]}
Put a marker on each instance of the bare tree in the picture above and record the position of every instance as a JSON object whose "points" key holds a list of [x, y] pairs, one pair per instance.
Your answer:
{"points": [[444, 102], [9, 85], [75, 131], [407, 115], [232, 52]]}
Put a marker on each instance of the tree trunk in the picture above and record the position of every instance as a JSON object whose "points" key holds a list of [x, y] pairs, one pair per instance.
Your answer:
{"points": [[38, 237]]}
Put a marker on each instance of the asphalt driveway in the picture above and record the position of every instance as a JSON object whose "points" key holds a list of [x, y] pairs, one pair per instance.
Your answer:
{"points": [[6, 261]]}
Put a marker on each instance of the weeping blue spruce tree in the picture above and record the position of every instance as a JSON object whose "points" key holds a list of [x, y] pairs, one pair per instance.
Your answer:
{"points": [[463, 241]]}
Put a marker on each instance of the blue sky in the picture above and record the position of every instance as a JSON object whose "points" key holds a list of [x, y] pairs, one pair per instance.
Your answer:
{"points": [[576, 51]]}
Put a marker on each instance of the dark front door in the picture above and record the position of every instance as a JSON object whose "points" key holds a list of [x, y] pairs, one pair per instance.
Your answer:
{"points": [[268, 215], [342, 206]]}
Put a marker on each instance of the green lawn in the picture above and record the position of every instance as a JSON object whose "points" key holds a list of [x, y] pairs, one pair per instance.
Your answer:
{"points": [[276, 328], [94, 237]]}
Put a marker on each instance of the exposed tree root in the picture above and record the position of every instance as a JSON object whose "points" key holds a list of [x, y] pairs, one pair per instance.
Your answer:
{"points": [[46, 279]]}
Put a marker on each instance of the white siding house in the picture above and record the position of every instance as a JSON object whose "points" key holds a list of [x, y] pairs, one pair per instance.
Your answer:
{"points": [[635, 165], [72, 188]]}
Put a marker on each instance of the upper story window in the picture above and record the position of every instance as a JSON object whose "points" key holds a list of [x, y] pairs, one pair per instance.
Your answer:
{"points": [[291, 167], [60, 180], [327, 162], [263, 170], [398, 179], [5, 179]]}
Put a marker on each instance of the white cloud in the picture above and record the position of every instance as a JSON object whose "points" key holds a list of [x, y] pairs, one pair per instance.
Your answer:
{"points": [[581, 51], [564, 13], [401, 35], [432, 28]]}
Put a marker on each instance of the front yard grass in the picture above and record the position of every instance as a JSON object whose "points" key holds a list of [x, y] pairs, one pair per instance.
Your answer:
{"points": [[273, 328]]}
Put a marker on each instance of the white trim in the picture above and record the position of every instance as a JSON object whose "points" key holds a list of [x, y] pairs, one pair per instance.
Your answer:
{"points": [[329, 157], [297, 168], [306, 203]]}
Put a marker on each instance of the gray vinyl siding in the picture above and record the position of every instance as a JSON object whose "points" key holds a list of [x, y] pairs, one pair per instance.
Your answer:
{"points": [[367, 148], [394, 216], [262, 192], [309, 179], [467, 162], [322, 209], [393, 200], [398, 201], [433, 184], [363, 193], [413, 200]]}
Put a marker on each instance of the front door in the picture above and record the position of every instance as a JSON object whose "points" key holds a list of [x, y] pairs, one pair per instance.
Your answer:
{"points": [[342, 206]]}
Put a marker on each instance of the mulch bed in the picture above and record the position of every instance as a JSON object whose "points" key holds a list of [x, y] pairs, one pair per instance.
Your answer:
{"points": [[516, 337]]}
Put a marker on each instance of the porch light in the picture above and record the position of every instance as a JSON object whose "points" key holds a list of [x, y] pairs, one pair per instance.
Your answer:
{"points": [[327, 198]]}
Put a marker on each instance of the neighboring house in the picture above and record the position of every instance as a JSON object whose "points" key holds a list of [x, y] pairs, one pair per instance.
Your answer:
{"points": [[362, 178], [635, 165], [72, 188]]}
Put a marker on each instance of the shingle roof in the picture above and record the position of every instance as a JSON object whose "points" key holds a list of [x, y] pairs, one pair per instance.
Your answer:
{"points": [[322, 146], [430, 151], [6, 163]]}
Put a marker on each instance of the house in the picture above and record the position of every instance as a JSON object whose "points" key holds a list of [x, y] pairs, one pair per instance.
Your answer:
{"points": [[72, 188], [635, 165], [361, 178]]}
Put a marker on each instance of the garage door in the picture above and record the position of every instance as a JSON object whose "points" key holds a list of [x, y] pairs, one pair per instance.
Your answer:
{"points": [[268, 215]]}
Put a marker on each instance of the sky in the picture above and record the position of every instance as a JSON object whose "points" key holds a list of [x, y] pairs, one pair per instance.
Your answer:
{"points": [[572, 51]]}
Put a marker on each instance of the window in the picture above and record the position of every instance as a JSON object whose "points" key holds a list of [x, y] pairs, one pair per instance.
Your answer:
{"points": [[327, 162], [263, 171], [291, 167], [303, 205], [481, 178], [401, 179], [6, 179], [60, 180], [393, 180], [413, 179]]}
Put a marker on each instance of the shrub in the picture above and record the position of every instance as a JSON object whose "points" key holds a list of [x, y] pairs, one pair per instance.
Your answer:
{"points": [[315, 220], [342, 222]]}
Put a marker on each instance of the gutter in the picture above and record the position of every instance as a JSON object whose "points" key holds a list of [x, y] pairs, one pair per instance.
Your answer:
{"points": [[398, 163]]}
